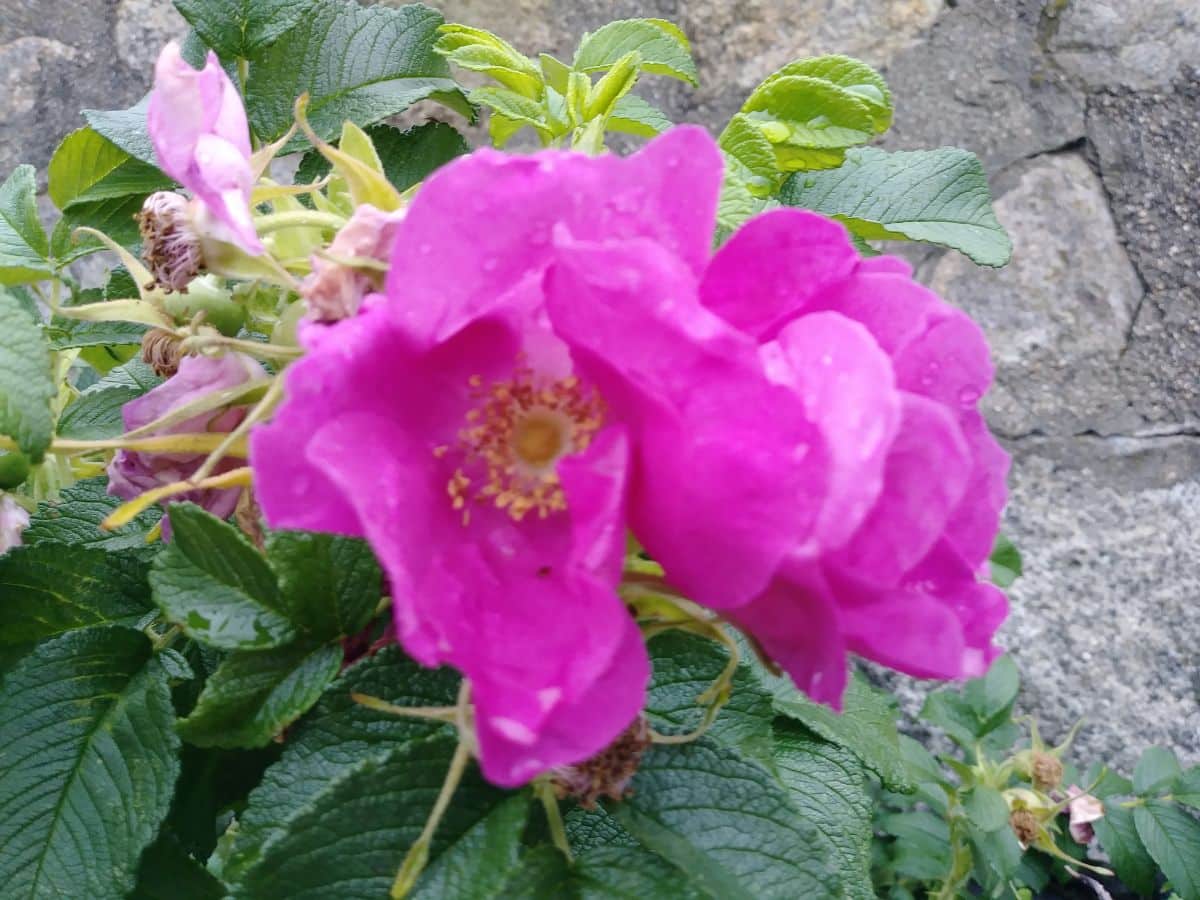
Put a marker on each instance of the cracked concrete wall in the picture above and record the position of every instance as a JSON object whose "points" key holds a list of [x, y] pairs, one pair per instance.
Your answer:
{"points": [[1088, 119]]}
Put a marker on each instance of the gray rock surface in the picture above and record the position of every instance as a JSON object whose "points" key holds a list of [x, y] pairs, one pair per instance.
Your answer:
{"points": [[1088, 117]]}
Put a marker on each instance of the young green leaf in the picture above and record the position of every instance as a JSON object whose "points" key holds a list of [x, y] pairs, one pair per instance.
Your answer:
{"points": [[212, 582], [482, 51], [664, 49], [24, 251], [1005, 562], [26, 388], [356, 64], [612, 86], [236, 28], [87, 166], [986, 808], [1186, 788], [408, 157], [114, 216], [937, 196], [513, 107], [1172, 838], [255, 694], [633, 115], [89, 764], [809, 121], [851, 75], [829, 787]]}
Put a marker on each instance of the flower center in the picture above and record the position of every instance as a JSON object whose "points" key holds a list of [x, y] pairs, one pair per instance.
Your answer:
{"points": [[519, 429]]}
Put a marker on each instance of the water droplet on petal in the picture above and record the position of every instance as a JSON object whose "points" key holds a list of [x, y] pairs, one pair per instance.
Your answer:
{"points": [[490, 264], [969, 395]]}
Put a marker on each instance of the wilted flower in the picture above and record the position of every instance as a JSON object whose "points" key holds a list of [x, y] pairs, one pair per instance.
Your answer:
{"points": [[493, 435], [132, 473], [608, 773], [14, 519], [162, 350], [198, 127], [1083, 809], [336, 287], [170, 245]]}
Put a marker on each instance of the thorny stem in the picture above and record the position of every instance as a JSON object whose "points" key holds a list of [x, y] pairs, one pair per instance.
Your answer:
{"points": [[558, 831]]}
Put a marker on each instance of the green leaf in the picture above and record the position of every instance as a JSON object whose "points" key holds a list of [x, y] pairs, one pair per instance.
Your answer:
{"points": [[87, 764], [1172, 838], [851, 75], [355, 63], [992, 696], [476, 865], [685, 666], [986, 808], [997, 854], [1005, 562], [1105, 782], [87, 166], [330, 584], [302, 834], [588, 828], [482, 51], [67, 334], [212, 582], [727, 823], [114, 217], [409, 157], [612, 86], [255, 694], [809, 121], [750, 173], [937, 196], [923, 848], [75, 517], [1186, 788], [829, 787], [555, 72], [513, 107], [1156, 769], [26, 388], [236, 28], [633, 115], [96, 413], [24, 251], [167, 872], [339, 749], [664, 49], [126, 128], [1118, 836], [49, 589], [866, 727]]}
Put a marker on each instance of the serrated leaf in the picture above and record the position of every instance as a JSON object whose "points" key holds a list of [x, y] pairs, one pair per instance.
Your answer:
{"points": [[923, 844], [1119, 837], [937, 196], [50, 589], [1105, 782], [829, 787], [992, 696], [986, 808], [26, 388], [482, 51], [588, 828], [24, 251], [727, 823], [997, 855], [512, 106], [126, 128], [633, 115], [851, 75], [87, 764], [866, 727], [1156, 768], [167, 872], [662, 46], [339, 743], [684, 667], [1186, 788], [96, 413], [302, 833], [1172, 838], [87, 167], [255, 694], [68, 334], [408, 157], [113, 216], [476, 865], [330, 584], [750, 173], [236, 28], [211, 581], [357, 64]]}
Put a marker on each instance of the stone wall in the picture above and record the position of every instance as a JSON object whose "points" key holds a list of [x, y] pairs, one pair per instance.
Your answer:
{"points": [[1089, 122]]}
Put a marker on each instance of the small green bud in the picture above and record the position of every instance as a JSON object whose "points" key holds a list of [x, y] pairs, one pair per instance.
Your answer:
{"points": [[14, 468], [206, 294]]}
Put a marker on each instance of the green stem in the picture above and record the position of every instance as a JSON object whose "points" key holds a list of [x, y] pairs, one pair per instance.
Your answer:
{"points": [[558, 830], [418, 855], [300, 218]]}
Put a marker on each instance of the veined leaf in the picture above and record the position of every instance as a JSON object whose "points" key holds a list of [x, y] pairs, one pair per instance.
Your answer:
{"points": [[851, 75], [664, 49], [24, 251], [87, 764], [1119, 837], [74, 517], [1172, 838], [938, 196], [87, 166], [633, 115], [26, 389], [96, 413], [236, 28], [330, 585]]}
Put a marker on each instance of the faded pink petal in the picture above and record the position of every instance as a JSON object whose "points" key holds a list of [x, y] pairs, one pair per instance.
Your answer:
{"points": [[1083, 809], [335, 291], [200, 135], [14, 519], [132, 473]]}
